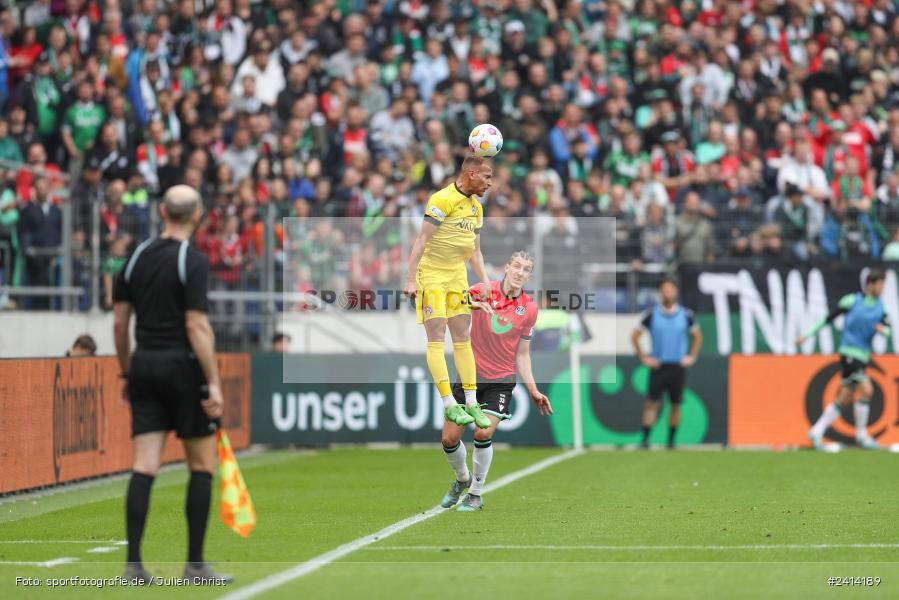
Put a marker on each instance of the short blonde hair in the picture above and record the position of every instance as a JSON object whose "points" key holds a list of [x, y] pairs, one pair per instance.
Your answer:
{"points": [[473, 162]]}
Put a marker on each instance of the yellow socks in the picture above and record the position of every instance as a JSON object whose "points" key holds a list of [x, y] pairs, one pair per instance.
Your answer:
{"points": [[439, 370], [465, 365]]}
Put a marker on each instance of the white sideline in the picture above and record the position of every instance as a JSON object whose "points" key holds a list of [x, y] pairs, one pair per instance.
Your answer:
{"points": [[47, 563], [304, 568], [635, 548], [116, 542]]}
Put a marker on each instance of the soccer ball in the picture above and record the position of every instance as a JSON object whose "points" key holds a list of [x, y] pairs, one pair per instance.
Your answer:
{"points": [[485, 140]]}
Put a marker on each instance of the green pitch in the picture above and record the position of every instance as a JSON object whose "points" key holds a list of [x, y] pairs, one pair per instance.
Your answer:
{"points": [[689, 524]]}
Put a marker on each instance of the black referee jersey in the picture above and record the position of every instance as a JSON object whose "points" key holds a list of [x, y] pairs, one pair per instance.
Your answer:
{"points": [[162, 279]]}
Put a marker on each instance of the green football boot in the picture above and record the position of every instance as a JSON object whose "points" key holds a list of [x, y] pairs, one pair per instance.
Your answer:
{"points": [[478, 416], [471, 503], [452, 496], [457, 414]]}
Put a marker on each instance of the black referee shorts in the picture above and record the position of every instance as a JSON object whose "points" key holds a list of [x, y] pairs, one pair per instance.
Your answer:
{"points": [[165, 388], [668, 377]]}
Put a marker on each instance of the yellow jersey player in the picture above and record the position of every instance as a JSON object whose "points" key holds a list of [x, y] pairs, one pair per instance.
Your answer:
{"points": [[437, 277]]}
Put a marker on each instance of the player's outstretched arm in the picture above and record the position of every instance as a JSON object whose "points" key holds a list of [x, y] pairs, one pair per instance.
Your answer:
{"points": [[843, 307], [428, 230], [523, 360]]}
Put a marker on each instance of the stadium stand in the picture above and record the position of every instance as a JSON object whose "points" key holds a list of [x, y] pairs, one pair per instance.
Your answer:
{"points": [[712, 130]]}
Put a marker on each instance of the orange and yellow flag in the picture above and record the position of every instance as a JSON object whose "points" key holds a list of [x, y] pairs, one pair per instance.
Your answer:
{"points": [[235, 507]]}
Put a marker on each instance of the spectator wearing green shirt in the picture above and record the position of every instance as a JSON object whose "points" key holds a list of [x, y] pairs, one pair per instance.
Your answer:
{"points": [[9, 242], [489, 26], [9, 149], [712, 148], [891, 251], [536, 21], [624, 165], [118, 251], [40, 96], [81, 124]]}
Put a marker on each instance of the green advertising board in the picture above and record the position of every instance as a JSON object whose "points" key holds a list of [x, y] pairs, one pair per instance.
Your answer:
{"points": [[395, 401], [761, 308]]}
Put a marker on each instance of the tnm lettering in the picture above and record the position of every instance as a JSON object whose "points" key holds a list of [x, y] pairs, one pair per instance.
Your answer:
{"points": [[793, 305], [76, 408]]}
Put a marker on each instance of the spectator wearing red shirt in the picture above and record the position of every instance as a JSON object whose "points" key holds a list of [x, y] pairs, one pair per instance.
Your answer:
{"points": [[262, 176], [355, 135], [851, 187], [673, 164], [713, 17], [367, 269], [731, 161], [232, 250], [674, 64], [22, 56], [858, 138], [151, 155], [820, 118], [833, 159], [118, 41], [36, 158]]}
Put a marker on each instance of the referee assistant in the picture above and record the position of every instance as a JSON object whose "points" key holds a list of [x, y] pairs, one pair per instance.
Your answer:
{"points": [[171, 381], [669, 325]]}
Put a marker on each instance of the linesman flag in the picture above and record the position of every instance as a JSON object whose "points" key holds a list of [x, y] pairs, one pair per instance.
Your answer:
{"points": [[235, 507]]}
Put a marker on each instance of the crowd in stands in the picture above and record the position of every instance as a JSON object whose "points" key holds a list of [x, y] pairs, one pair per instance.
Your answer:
{"points": [[711, 129]]}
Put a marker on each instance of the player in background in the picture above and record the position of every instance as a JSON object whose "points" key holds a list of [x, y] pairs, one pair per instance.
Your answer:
{"points": [[865, 316], [670, 325], [501, 339], [438, 279]]}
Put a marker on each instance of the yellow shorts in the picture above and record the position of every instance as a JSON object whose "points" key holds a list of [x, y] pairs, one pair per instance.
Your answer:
{"points": [[441, 294]]}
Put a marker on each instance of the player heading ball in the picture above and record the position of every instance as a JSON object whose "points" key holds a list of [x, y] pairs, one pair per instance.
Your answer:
{"points": [[437, 278]]}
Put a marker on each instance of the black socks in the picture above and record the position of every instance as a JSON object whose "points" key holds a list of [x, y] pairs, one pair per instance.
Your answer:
{"points": [[199, 496], [137, 504]]}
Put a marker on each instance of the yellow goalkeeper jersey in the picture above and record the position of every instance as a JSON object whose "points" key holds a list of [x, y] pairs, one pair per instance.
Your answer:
{"points": [[459, 219]]}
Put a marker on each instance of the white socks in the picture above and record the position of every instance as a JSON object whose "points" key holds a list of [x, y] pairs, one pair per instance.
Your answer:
{"points": [[448, 401], [471, 397], [458, 460], [480, 461], [830, 414], [862, 409]]}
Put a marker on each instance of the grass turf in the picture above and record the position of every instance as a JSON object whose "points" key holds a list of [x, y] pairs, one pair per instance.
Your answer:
{"points": [[604, 524]]}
